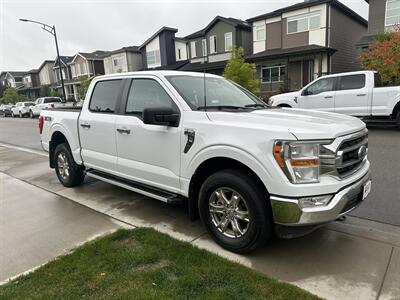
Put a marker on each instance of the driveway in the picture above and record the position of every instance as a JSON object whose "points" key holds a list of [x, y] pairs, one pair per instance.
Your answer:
{"points": [[36, 225]]}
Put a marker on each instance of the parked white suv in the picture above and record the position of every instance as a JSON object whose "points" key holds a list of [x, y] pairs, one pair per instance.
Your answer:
{"points": [[21, 109], [44, 102], [358, 94], [247, 169]]}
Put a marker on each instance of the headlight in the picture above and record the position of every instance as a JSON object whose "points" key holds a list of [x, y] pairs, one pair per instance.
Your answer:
{"points": [[299, 160]]}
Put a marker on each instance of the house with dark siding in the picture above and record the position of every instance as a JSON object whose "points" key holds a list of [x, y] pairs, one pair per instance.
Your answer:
{"points": [[384, 16], [296, 44], [209, 49]]}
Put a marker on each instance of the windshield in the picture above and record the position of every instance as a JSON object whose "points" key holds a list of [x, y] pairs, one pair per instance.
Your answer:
{"points": [[51, 100], [29, 103], [219, 92]]}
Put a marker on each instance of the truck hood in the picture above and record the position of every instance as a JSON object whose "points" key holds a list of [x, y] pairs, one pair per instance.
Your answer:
{"points": [[290, 95], [303, 124]]}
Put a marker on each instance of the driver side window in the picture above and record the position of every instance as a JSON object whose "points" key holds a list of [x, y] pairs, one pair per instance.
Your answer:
{"points": [[322, 85]]}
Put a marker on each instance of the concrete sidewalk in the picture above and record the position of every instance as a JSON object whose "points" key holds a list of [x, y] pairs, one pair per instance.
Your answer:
{"points": [[355, 259]]}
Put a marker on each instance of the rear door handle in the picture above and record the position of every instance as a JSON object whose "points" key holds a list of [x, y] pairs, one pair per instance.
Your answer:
{"points": [[124, 130], [328, 97], [361, 95], [85, 125]]}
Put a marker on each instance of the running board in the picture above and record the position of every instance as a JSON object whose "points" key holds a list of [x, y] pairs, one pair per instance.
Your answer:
{"points": [[136, 187]]}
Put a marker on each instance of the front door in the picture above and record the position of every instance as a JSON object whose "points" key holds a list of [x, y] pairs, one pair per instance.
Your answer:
{"points": [[320, 95], [352, 95], [97, 126], [148, 154]]}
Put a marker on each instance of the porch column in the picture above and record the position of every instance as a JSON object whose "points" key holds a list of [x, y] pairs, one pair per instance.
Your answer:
{"points": [[320, 65]]}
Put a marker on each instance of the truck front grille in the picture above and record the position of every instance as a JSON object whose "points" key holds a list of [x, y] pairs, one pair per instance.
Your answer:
{"points": [[346, 155]]}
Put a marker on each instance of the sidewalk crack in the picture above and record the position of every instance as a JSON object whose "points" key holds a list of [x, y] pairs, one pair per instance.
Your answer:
{"points": [[385, 274]]}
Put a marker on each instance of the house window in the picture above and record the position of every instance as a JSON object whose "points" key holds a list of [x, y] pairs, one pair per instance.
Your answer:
{"points": [[213, 44], [204, 47], [304, 23], [179, 54], [228, 41], [392, 12], [117, 62], [259, 33], [73, 73], [273, 74], [193, 49], [153, 57]]}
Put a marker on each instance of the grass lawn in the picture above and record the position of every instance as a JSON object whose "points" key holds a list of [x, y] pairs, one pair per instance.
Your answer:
{"points": [[143, 263]]}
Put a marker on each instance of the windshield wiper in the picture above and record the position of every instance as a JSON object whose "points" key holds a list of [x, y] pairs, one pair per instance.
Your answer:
{"points": [[221, 107], [256, 105]]}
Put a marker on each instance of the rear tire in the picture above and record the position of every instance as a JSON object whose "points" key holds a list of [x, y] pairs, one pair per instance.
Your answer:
{"points": [[68, 172], [249, 222]]}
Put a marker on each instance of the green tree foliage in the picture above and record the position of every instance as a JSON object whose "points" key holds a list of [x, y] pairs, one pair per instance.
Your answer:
{"points": [[85, 82], [45, 91], [11, 96], [241, 72]]}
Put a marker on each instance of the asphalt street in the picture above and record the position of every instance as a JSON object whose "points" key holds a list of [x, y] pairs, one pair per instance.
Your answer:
{"points": [[383, 204]]}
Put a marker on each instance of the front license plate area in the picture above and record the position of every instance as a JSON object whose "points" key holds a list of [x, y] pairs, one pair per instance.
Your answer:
{"points": [[366, 189]]}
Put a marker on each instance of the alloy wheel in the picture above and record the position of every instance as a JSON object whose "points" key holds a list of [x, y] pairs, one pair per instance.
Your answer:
{"points": [[63, 166], [229, 212]]}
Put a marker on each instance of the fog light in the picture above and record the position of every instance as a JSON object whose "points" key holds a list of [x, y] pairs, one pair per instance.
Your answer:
{"points": [[316, 201]]}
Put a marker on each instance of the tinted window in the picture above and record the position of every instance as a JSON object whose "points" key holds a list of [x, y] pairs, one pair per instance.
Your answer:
{"points": [[322, 85], [147, 93], [51, 100], [352, 82], [105, 95]]}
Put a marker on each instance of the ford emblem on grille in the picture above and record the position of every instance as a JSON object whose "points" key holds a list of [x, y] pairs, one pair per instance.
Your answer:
{"points": [[362, 152]]}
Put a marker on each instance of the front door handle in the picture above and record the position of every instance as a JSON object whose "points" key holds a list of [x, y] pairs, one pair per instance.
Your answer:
{"points": [[124, 130], [85, 125], [361, 95], [328, 97]]}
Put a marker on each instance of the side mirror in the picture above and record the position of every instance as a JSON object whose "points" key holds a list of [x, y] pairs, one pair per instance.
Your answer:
{"points": [[161, 116]]}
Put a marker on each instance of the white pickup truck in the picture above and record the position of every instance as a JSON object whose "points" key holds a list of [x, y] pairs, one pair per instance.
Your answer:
{"points": [[358, 94], [247, 169]]}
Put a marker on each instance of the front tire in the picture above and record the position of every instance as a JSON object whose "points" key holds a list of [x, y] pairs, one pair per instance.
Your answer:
{"points": [[68, 172], [236, 211], [31, 114]]}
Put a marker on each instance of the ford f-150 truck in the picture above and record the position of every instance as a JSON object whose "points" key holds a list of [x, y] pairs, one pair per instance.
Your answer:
{"points": [[247, 169], [360, 94]]}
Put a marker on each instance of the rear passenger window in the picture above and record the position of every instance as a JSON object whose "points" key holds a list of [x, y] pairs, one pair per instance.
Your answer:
{"points": [[147, 93], [352, 82], [105, 95]]}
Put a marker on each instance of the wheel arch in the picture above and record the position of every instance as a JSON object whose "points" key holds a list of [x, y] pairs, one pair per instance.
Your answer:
{"points": [[396, 109], [210, 166]]}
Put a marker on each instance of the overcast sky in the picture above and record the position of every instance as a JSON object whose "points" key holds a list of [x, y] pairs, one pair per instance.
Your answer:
{"points": [[87, 25]]}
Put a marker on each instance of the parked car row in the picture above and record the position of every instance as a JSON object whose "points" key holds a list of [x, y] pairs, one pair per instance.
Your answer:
{"points": [[29, 108]]}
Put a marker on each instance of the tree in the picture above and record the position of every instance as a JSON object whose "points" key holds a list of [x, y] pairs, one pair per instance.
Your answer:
{"points": [[84, 87], [11, 96], [383, 56], [241, 72], [45, 91]]}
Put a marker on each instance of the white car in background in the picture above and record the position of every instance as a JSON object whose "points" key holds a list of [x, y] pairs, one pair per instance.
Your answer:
{"points": [[21, 109], [45, 102]]}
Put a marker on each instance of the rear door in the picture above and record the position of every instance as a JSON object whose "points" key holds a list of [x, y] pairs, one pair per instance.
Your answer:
{"points": [[147, 153], [352, 95], [320, 95], [97, 126]]}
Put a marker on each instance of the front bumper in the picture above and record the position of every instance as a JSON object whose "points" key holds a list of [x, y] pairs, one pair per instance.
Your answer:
{"points": [[286, 211]]}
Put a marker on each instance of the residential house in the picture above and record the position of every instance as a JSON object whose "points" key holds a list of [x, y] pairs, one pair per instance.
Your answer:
{"points": [[296, 44], [384, 15], [66, 75], [84, 66], [11, 78], [209, 49], [126, 59], [163, 50], [31, 85], [46, 75]]}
